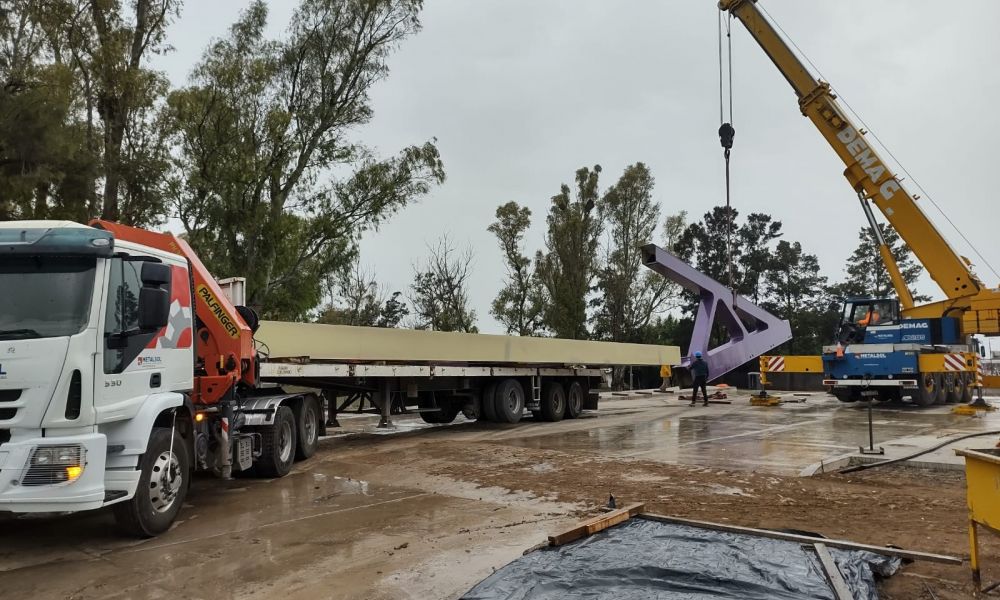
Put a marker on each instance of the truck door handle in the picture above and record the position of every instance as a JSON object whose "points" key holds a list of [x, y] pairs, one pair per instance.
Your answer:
{"points": [[154, 380]]}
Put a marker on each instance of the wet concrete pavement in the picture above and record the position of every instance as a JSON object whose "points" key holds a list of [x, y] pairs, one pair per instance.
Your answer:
{"points": [[339, 527]]}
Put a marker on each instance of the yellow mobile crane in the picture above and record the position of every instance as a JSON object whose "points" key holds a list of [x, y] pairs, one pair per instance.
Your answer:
{"points": [[926, 348]]}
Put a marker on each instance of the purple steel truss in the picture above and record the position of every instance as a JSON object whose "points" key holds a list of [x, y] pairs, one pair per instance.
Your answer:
{"points": [[716, 301]]}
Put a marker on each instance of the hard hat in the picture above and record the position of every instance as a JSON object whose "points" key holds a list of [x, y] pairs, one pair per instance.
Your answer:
{"points": [[697, 354]]}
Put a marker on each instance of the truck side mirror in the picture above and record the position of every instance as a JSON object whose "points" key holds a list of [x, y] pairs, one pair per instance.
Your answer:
{"points": [[154, 300], [154, 274], [154, 308]]}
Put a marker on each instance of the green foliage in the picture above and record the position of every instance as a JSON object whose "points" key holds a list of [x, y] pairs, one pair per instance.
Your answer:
{"points": [[796, 291], [355, 298], [867, 275], [440, 293], [704, 244], [519, 304], [79, 112], [568, 266], [776, 274], [263, 127], [630, 295]]}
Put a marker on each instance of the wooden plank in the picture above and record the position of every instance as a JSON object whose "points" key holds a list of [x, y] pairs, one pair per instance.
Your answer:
{"points": [[373, 344], [804, 539], [833, 575], [595, 524]]}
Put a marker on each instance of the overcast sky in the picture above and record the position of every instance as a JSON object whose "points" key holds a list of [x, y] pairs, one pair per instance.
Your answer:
{"points": [[521, 93]]}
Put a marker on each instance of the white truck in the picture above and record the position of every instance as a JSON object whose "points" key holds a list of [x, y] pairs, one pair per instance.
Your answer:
{"points": [[124, 367]]}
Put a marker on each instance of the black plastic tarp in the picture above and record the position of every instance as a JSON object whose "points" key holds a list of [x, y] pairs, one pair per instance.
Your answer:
{"points": [[652, 560]]}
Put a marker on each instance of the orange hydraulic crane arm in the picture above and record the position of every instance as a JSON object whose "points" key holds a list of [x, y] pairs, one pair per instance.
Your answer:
{"points": [[866, 171], [224, 341]]}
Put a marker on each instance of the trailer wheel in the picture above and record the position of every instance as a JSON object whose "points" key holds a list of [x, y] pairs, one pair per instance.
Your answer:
{"points": [[574, 400], [509, 401], [488, 402], [278, 445], [553, 401], [308, 428], [928, 389], [163, 485]]}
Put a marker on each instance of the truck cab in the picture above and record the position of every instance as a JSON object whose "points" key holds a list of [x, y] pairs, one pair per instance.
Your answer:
{"points": [[96, 351]]}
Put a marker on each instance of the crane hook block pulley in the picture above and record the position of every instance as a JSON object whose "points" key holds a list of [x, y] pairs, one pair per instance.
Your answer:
{"points": [[726, 134]]}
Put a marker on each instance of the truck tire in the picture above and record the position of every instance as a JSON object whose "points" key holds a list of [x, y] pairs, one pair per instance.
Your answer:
{"points": [[928, 389], [574, 400], [845, 395], [445, 411], [163, 486], [278, 443], [488, 402], [553, 401], [509, 401], [953, 384], [969, 382], [308, 423]]}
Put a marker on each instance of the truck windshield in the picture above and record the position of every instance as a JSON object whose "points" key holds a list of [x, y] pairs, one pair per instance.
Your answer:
{"points": [[45, 296]]}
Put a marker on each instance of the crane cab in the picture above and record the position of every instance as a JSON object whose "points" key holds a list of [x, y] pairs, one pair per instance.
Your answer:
{"points": [[864, 319]]}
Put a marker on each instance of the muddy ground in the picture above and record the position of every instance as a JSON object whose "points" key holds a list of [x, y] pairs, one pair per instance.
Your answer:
{"points": [[428, 512]]}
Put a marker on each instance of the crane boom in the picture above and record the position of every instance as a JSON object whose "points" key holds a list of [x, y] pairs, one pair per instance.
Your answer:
{"points": [[872, 180]]}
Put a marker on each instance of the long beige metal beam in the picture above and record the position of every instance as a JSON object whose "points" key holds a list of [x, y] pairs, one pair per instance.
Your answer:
{"points": [[370, 344]]}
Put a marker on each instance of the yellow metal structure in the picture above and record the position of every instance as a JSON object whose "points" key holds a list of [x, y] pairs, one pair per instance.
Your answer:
{"points": [[789, 364], [937, 363], [982, 477], [870, 177]]}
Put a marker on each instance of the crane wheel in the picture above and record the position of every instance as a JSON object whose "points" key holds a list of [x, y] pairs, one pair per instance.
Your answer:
{"points": [[928, 389]]}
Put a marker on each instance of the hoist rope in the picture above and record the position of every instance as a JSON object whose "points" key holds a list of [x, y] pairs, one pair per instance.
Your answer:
{"points": [[726, 133]]}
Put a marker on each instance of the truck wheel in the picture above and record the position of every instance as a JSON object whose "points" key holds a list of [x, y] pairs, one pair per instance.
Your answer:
{"points": [[163, 485], [308, 428], [574, 400], [953, 384], [509, 401], [968, 382], [553, 401], [278, 445], [488, 402], [844, 395], [928, 389]]}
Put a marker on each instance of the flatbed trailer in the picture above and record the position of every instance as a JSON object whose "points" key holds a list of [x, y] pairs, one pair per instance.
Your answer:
{"points": [[439, 374]]}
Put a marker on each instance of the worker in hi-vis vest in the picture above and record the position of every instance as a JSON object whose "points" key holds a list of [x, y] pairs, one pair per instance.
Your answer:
{"points": [[666, 373]]}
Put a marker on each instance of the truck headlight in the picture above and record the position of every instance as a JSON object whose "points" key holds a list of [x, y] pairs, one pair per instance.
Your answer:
{"points": [[54, 464]]}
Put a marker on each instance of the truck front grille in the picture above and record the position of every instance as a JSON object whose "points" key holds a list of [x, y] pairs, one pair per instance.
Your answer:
{"points": [[10, 395], [4, 436]]}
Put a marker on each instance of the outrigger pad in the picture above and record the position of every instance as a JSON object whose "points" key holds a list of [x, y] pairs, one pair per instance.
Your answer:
{"points": [[752, 330]]}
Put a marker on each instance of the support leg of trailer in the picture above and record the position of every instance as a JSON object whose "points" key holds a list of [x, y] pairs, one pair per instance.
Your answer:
{"points": [[332, 409], [384, 405]]}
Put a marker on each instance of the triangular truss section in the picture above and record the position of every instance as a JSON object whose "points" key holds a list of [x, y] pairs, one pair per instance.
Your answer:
{"points": [[752, 331]]}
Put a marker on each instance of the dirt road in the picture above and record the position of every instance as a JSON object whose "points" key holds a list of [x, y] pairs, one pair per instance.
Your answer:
{"points": [[428, 512]]}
